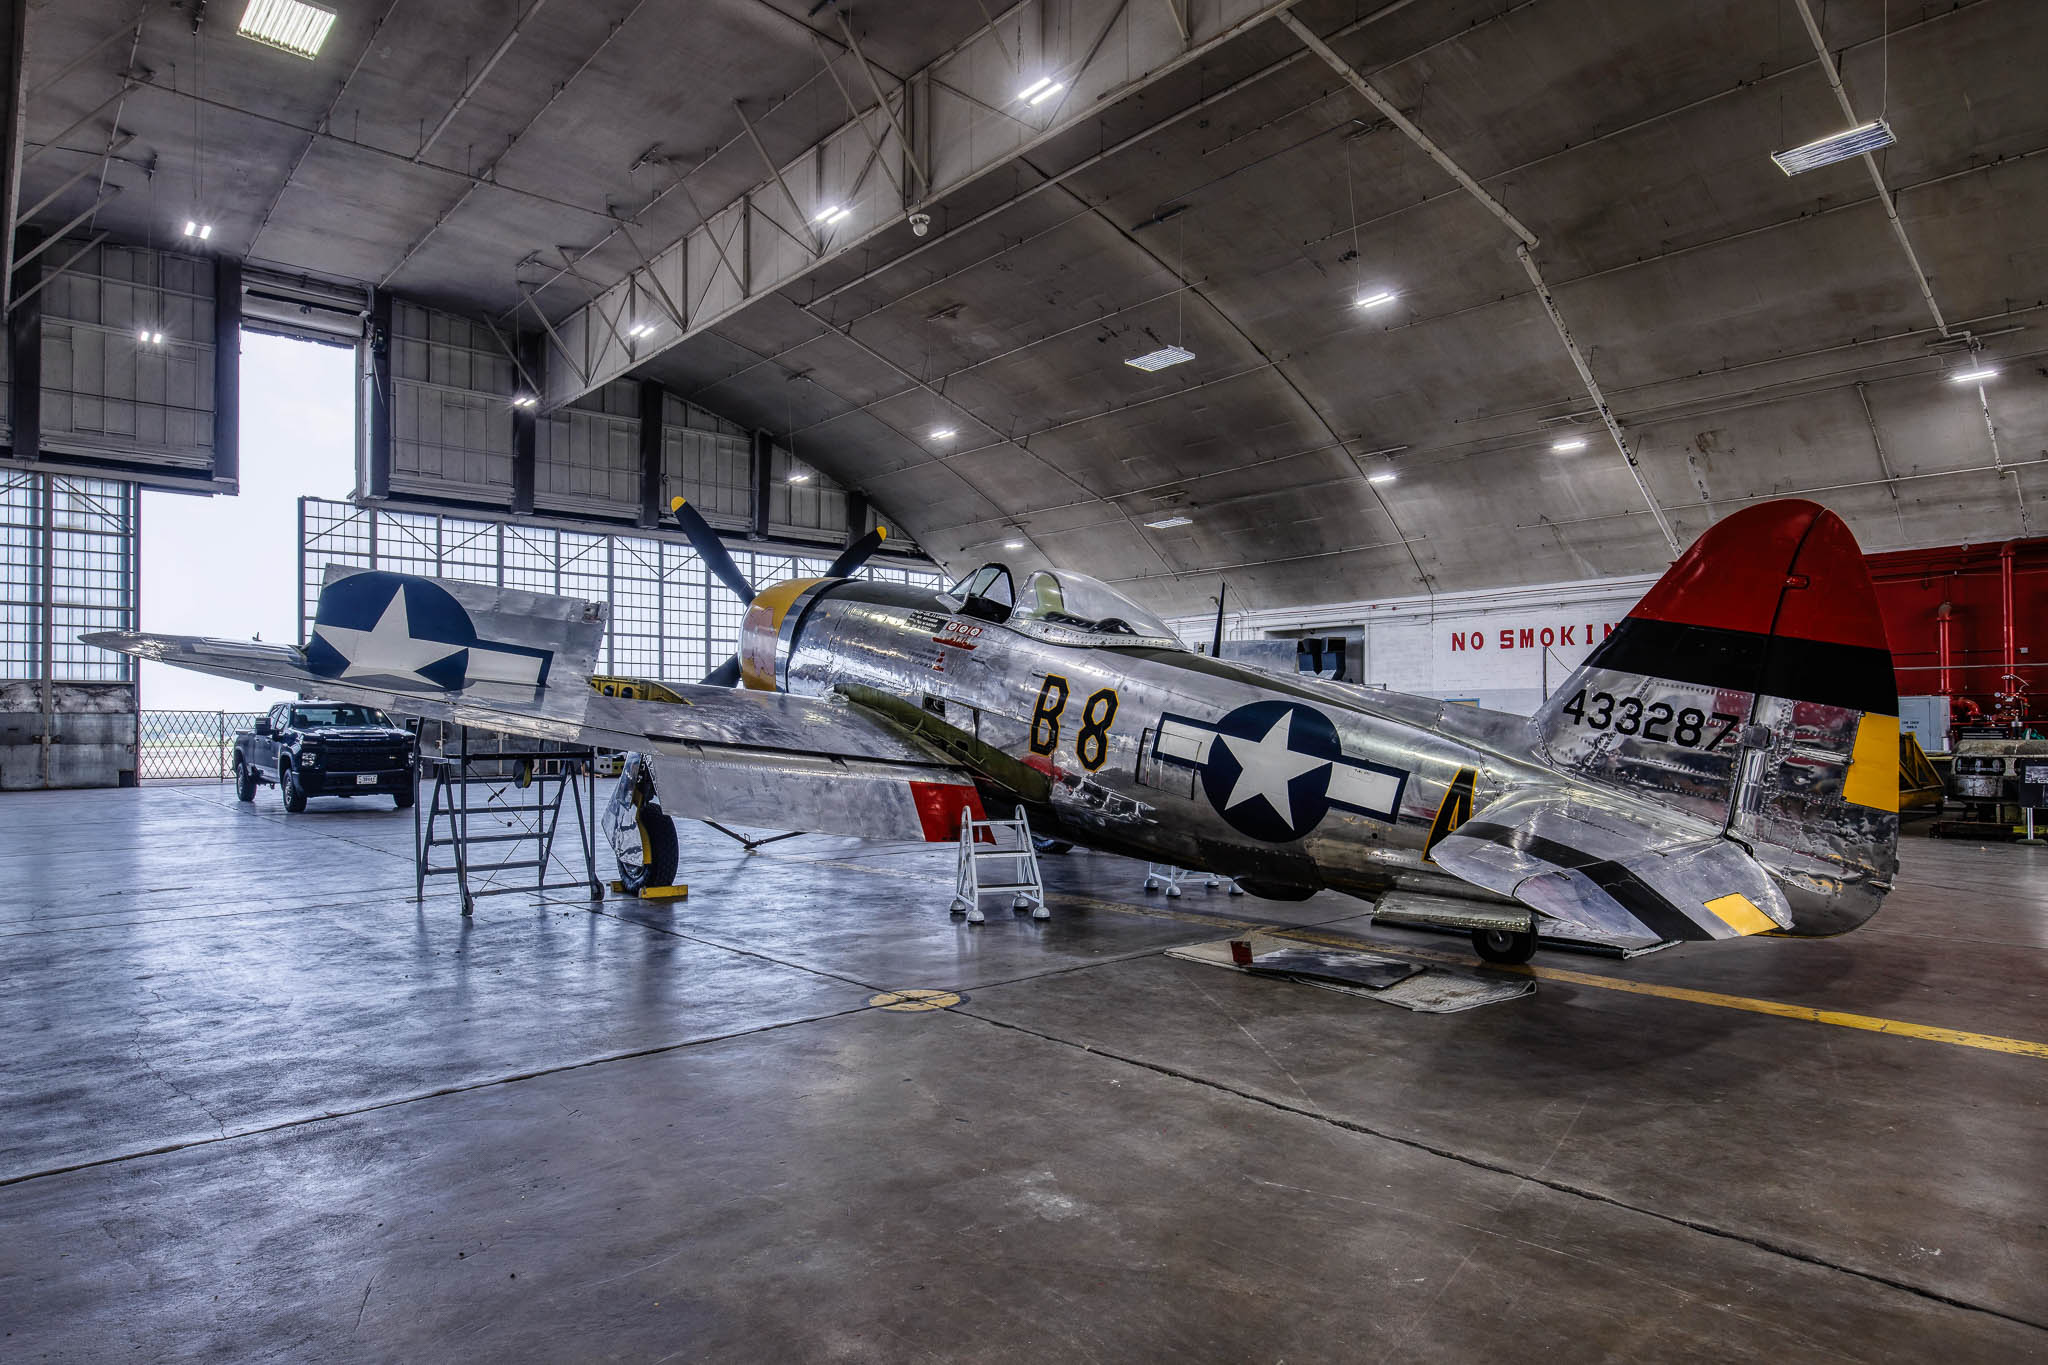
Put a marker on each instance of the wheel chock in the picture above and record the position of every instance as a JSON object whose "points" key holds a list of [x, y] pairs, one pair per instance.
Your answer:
{"points": [[653, 893]]}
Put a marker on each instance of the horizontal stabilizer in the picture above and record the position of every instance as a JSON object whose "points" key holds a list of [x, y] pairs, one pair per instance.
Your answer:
{"points": [[1608, 875]]}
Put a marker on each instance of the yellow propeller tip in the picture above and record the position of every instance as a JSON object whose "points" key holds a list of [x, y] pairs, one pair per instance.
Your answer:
{"points": [[676, 504], [882, 531]]}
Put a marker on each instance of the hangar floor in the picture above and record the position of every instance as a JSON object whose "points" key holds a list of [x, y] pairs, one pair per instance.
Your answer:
{"points": [[260, 1106]]}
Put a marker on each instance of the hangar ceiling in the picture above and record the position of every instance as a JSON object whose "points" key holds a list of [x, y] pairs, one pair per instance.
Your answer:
{"points": [[1754, 333]]}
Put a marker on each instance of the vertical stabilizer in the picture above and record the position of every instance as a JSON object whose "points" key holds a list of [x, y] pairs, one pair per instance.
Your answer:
{"points": [[1753, 686]]}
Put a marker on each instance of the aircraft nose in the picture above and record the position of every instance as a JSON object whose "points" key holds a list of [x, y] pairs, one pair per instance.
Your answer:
{"points": [[768, 633]]}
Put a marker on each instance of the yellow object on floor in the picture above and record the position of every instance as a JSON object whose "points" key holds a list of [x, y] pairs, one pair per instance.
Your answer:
{"points": [[653, 893]]}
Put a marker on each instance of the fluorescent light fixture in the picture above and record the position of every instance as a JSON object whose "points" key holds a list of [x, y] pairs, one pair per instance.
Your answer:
{"points": [[156, 338], [1864, 137], [1013, 545], [943, 433], [798, 478], [525, 400], [1160, 359], [836, 213], [142, 335], [288, 25], [1042, 96], [640, 329], [1028, 91], [1975, 375], [1165, 523], [1379, 478], [1569, 444], [202, 231], [1377, 299]]}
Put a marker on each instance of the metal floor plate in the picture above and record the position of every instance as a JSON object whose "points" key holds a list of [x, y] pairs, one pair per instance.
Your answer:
{"points": [[1425, 990]]}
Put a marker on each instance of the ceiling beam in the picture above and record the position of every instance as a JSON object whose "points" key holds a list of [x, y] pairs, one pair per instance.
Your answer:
{"points": [[476, 82], [1151, 46], [490, 172], [326, 120], [13, 125], [1891, 212], [1524, 239]]}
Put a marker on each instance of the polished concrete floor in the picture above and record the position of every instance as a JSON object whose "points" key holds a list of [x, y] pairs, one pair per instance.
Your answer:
{"points": [[257, 1105]]}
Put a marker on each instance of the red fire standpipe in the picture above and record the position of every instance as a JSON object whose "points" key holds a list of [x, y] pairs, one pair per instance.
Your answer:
{"points": [[1944, 618], [2010, 700]]}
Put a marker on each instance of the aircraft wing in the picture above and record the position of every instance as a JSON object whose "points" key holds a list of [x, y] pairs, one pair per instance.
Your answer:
{"points": [[1612, 874], [519, 662]]}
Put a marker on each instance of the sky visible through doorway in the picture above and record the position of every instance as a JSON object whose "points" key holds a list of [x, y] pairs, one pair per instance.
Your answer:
{"points": [[228, 567]]}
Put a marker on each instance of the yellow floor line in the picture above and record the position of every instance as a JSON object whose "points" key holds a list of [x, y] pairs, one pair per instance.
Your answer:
{"points": [[1870, 1023]]}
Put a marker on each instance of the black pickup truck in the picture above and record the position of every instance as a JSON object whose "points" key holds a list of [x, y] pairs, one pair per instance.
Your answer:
{"points": [[325, 748]]}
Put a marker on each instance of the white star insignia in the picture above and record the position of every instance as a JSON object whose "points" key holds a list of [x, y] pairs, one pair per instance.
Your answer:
{"points": [[1266, 766], [388, 648]]}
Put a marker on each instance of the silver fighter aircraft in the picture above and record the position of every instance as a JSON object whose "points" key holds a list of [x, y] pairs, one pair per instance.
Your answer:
{"points": [[1725, 762]]}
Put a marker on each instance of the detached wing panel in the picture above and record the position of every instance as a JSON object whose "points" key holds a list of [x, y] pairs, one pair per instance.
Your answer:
{"points": [[1612, 874], [519, 662]]}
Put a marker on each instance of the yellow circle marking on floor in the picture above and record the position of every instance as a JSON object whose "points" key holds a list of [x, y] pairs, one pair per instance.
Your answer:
{"points": [[914, 1002]]}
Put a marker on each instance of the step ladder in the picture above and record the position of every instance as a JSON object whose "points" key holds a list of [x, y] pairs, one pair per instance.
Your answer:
{"points": [[1007, 845]]}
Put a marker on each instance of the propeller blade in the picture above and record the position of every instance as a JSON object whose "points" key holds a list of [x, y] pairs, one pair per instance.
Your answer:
{"points": [[856, 554], [705, 542], [726, 674]]}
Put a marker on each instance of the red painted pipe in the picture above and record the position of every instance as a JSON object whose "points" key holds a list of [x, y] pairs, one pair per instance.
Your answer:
{"points": [[2010, 683], [1944, 618]]}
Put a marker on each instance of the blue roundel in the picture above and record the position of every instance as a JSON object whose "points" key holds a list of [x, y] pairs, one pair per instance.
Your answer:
{"points": [[428, 614], [1268, 770]]}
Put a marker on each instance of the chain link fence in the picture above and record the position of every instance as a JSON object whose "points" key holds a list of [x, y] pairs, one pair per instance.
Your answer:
{"points": [[190, 744]]}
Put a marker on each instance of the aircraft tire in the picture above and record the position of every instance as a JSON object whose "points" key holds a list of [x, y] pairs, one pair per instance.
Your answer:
{"points": [[294, 794], [663, 853], [1498, 945], [245, 781]]}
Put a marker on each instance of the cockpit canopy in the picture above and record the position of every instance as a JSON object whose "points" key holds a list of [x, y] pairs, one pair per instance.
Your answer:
{"points": [[1059, 606]]}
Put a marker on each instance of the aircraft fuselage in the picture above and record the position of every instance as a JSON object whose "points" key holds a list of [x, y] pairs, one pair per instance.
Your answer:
{"points": [[1294, 783]]}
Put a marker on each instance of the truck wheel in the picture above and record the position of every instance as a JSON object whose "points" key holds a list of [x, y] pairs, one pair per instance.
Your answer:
{"points": [[294, 794], [1499, 945], [662, 852], [245, 781], [406, 795]]}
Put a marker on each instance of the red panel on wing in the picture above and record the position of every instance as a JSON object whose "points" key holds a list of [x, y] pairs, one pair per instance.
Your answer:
{"points": [[939, 805]]}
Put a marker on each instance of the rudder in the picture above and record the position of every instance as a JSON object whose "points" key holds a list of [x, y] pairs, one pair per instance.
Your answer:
{"points": [[1753, 686]]}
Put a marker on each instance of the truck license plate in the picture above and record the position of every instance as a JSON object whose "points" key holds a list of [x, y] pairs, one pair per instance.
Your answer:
{"points": [[366, 779]]}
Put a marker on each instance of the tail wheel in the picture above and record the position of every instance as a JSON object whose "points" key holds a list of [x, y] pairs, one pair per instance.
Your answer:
{"points": [[1499, 945], [245, 781], [660, 849]]}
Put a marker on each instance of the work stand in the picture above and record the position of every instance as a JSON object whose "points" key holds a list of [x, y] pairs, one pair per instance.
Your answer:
{"points": [[515, 797]]}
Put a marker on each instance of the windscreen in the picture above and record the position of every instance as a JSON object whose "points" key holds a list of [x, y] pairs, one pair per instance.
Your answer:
{"points": [[337, 713]]}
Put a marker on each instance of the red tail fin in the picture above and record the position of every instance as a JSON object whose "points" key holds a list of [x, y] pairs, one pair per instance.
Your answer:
{"points": [[1752, 687]]}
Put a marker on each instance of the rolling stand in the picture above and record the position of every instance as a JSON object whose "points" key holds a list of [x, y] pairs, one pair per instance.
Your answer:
{"points": [[506, 777]]}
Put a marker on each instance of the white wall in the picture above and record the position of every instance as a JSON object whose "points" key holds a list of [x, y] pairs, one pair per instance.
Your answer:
{"points": [[1502, 648]]}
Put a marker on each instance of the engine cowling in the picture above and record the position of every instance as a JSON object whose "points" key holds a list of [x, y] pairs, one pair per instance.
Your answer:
{"points": [[769, 631]]}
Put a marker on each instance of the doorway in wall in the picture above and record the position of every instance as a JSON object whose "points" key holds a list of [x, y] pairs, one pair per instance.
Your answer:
{"points": [[228, 566]]}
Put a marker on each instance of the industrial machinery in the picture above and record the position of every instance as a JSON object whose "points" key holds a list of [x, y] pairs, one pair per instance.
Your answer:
{"points": [[1988, 781]]}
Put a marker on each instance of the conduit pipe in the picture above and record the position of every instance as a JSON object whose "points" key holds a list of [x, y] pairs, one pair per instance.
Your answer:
{"points": [[1944, 619], [2010, 698]]}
